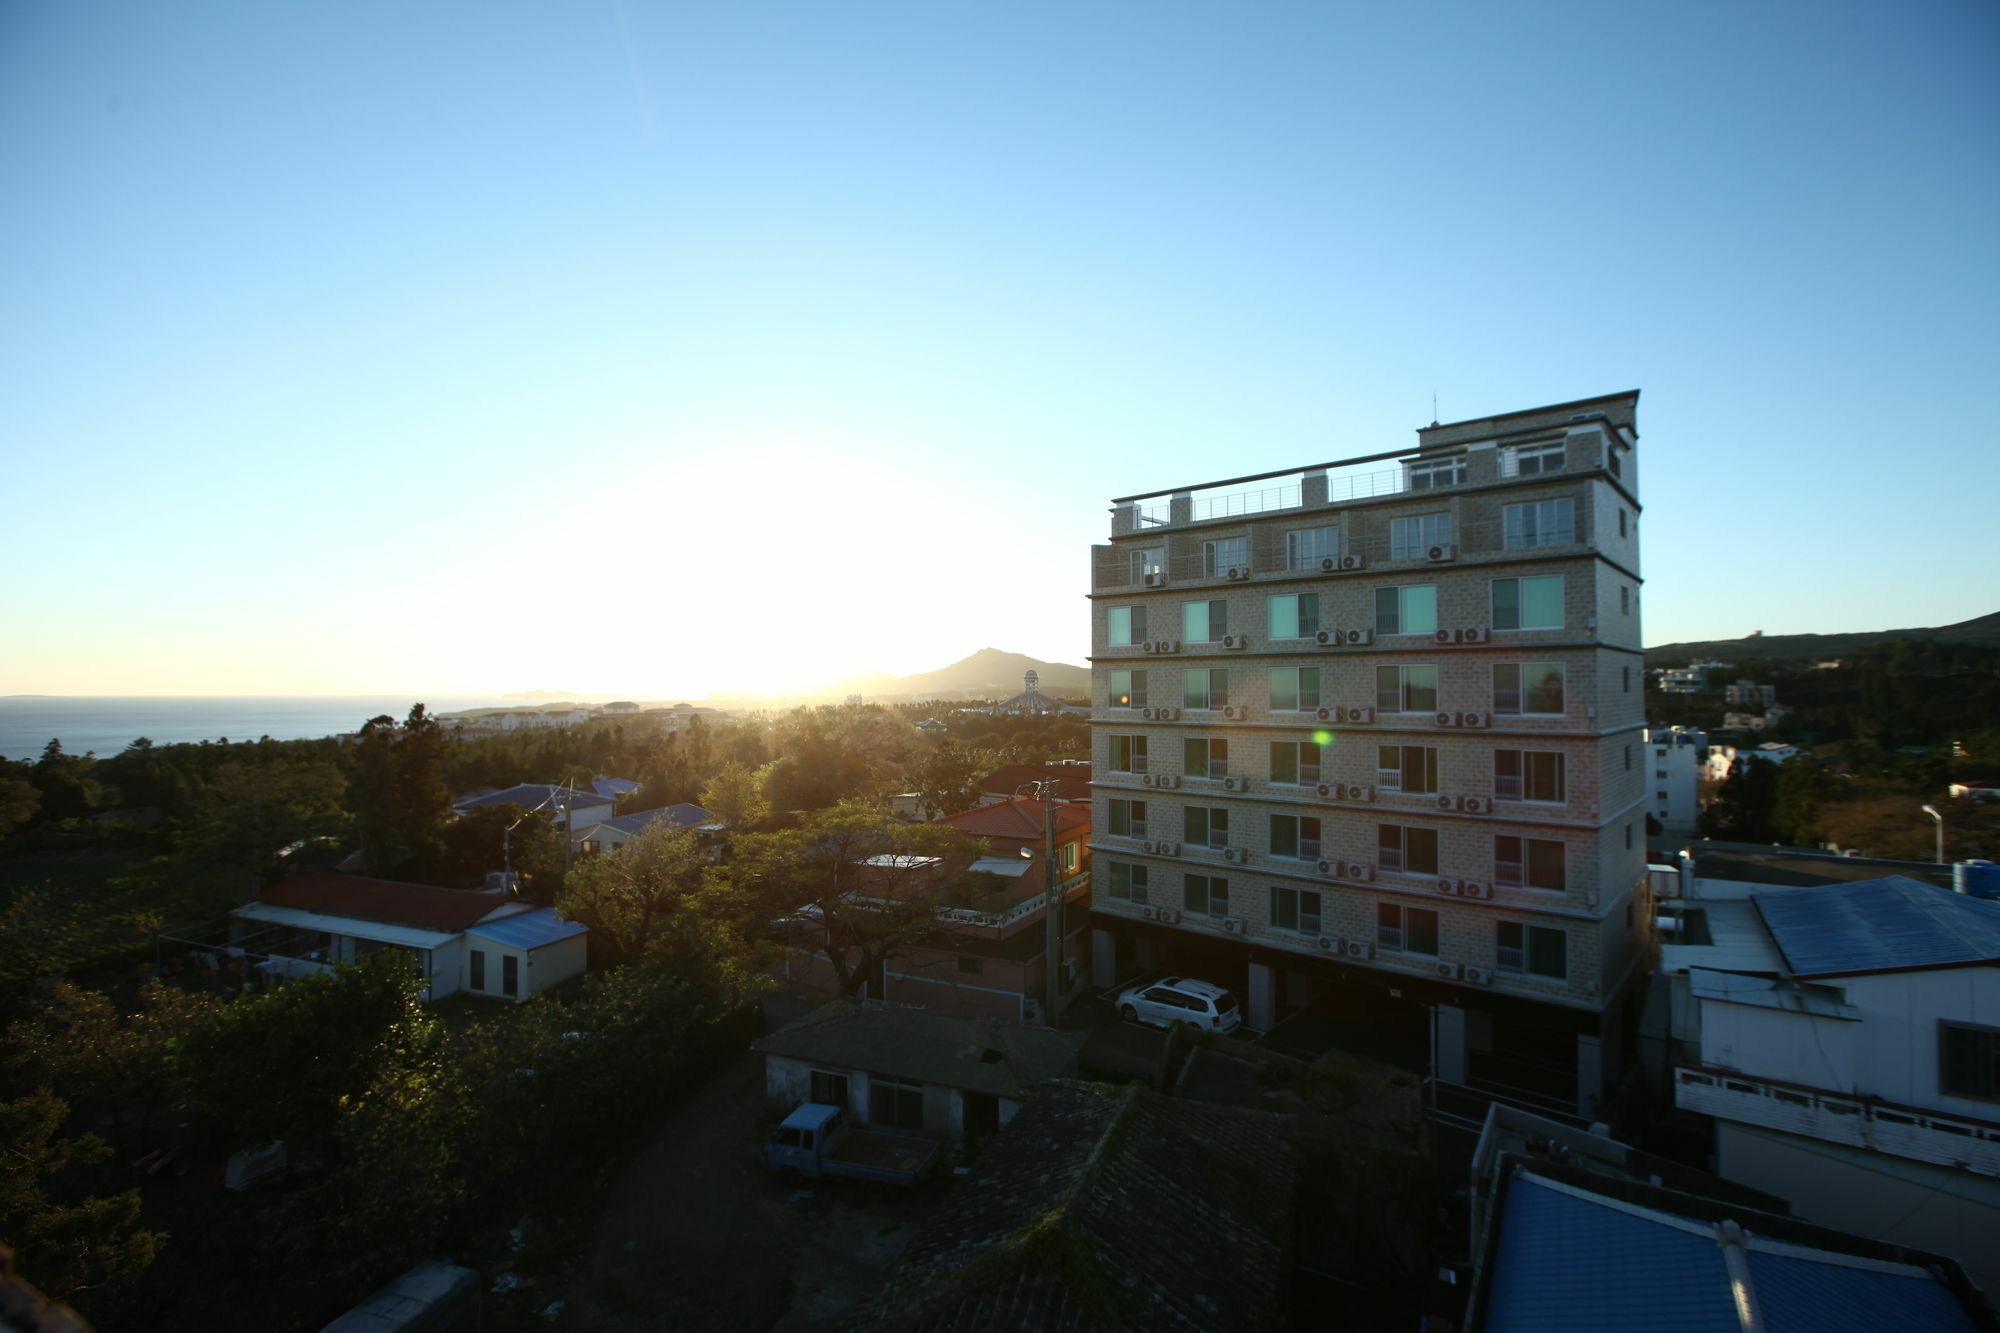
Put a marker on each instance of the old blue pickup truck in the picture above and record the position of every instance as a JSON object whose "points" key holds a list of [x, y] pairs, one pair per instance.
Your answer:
{"points": [[817, 1140]]}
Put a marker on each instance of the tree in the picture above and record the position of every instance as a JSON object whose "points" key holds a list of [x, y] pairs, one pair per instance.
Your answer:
{"points": [[277, 1065], [107, 1062], [1801, 788], [857, 887], [63, 1248], [735, 795], [1743, 805], [634, 898], [948, 779], [18, 803], [482, 838], [64, 783], [400, 799]]}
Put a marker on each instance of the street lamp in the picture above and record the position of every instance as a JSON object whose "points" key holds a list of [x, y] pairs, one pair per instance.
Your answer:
{"points": [[1932, 811]]}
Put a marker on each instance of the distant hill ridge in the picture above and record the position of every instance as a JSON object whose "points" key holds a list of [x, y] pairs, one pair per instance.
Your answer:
{"points": [[986, 674], [1982, 630]]}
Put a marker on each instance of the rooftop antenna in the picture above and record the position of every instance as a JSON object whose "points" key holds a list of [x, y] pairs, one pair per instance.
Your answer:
{"points": [[1434, 407]]}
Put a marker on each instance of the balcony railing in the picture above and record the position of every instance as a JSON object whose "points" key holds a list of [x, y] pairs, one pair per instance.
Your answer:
{"points": [[1900, 1131]]}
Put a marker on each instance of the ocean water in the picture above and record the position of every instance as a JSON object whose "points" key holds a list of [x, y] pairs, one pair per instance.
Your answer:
{"points": [[107, 724]]}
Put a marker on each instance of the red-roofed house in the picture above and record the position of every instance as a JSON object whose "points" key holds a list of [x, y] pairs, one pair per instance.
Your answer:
{"points": [[312, 920], [989, 959]]}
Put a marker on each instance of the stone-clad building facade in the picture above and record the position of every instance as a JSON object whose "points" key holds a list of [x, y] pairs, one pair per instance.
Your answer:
{"points": [[1367, 744]]}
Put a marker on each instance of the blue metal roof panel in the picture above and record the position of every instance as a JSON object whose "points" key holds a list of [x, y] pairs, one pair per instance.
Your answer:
{"points": [[1798, 1294], [683, 815], [536, 794], [614, 787], [528, 930], [1879, 925], [1570, 1265]]}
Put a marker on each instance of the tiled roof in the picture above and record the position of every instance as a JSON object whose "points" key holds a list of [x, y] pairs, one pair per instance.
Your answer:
{"points": [[419, 905], [1025, 818], [1882, 925], [683, 815], [1570, 1260], [986, 1055], [1103, 1208], [1073, 779], [535, 795]]}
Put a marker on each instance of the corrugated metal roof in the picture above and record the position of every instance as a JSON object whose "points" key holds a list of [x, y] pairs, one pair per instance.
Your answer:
{"points": [[529, 930], [951, 1050], [1769, 993], [423, 906], [1569, 1259], [352, 927], [683, 815], [1881, 925]]}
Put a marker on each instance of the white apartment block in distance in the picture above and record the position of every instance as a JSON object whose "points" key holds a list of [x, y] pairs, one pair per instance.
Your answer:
{"points": [[1368, 746]]}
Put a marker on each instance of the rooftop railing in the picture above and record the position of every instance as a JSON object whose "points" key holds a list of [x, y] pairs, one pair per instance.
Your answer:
{"points": [[1938, 1137]]}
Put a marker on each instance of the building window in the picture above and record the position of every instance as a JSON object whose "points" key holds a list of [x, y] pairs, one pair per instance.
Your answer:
{"points": [[590, 847], [1528, 687], [1621, 523], [1128, 689], [510, 974], [1294, 689], [1296, 909], [1406, 689], [1207, 688], [1295, 837], [1532, 460], [1406, 929], [1152, 560], [1412, 538], [1969, 1061], [1614, 459], [1128, 818], [1128, 883], [1430, 475], [1295, 616], [1306, 547], [1204, 622], [1206, 895], [1529, 775], [1407, 768], [1624, 600], [1412, 610], [1541, 523], [1295, 763], [1128, 754], [1625, 678], [1660, 796], [828, 1088], [1628, 837], [1219, 557], [1628, 759], [1414, 851], [1126, 624], [894, 1104], [1535, 603], [1539, 951], [1206, 826], [1529, 863], [478, 963], [971, 965], [1205, 758]]}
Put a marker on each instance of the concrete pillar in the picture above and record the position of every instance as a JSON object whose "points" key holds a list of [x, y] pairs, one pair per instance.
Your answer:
{"points": [[1312, 489], [1263, 1015], [1124, 519], [1589, 1075], [1103, 959], [1450, 1055], [1181, 508]]}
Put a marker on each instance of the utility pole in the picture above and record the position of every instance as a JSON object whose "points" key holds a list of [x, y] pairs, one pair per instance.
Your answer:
{"points": [[1052, 914]]}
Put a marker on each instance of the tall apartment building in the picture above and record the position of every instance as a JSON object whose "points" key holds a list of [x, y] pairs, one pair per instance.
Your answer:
{"points": [[1367, 745]]}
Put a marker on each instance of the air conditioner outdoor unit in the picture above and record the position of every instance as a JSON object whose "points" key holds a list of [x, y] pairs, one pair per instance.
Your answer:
{"points": [[1166, 714], [1326, 866], [1359, 716], [1234, 712], [1359, 638], [1329, 564], [1472, 888], [1151, 646], [1359, 791], [1447, 719], [1235, 784], [1166, 849], [1362, 872], [1448, 803], [1156, 580], [1235, 855], [1473, 634], [1478, 976], [1327, 790], [1235, 641], [1168, 780], [1442, 552], [1170, 645], [1328, 714], [1360, 949], [1449, 971], [1236, 572], [1353, 562], [1448, 887], [1148, 713], [1446, 636], [1149, 845], [1475, 805], [1472, 719], [1327, 637], [1168, 915], [1150, 913], [1329, 943], [1233, 924], [1149, 779]]}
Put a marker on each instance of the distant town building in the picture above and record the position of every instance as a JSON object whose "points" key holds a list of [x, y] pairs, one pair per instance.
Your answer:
{"points": [[1673, 774], [1031, 702], [1725, 759], [1750, 693]]}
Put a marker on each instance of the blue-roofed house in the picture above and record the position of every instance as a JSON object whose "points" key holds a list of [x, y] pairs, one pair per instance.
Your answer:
{"points": [[616, 788], [1844, 1041], [609, 835], [570, 807], [518, 956]]}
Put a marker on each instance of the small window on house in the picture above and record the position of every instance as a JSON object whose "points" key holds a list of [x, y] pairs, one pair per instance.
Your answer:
{"points": [[971, 966], [1621, 523]]}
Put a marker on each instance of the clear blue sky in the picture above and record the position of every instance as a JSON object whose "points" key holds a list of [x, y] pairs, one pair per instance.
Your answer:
{"points": [[651, 348]]}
